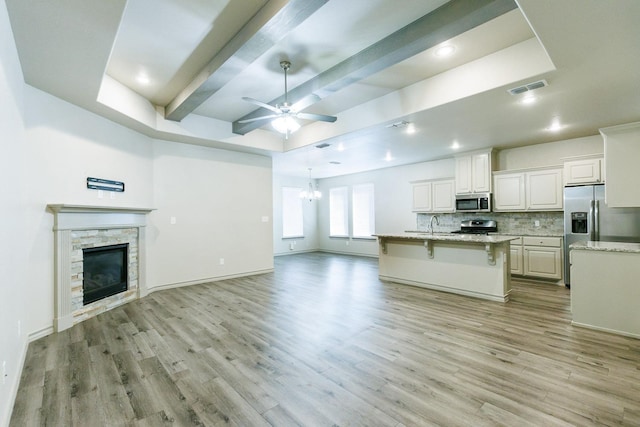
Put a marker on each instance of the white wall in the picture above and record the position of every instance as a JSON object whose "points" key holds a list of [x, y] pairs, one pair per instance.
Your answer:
{"points": [[309, 215], [13, 227], [392, 193], [218, 199], [549, 154]]}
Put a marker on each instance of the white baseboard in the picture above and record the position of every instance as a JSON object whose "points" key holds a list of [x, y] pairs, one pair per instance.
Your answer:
{"points": [[348, 253], [207, 280], [601, 329], [36, 335], [16, 382], [305, 251]]}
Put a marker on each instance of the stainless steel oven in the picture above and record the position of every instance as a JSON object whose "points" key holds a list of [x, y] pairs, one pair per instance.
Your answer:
{"points": [[476, 202]]}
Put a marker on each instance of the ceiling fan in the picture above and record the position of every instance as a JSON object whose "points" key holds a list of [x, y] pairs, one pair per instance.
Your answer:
{"points": [[284, 114]]}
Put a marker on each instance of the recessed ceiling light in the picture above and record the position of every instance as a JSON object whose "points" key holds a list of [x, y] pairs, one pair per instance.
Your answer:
{"points": [[388, 157], [143, 78], [455, 145], [445, 50], [411, 129], [529, 99], [555, 125], [341, 147]]}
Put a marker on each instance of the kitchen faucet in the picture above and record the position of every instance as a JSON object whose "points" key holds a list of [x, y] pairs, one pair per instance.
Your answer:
{"points": [[431, 222]]}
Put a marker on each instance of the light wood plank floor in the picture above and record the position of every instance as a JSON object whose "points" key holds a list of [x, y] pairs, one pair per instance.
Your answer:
{"points": [[323, 342]]}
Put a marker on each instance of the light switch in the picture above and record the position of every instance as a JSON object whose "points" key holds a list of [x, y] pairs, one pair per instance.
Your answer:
{"points": [[265, 219], [172, 220]]}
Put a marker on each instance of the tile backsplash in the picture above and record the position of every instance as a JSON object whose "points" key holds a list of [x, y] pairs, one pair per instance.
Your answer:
{"points": [[550, 223]]}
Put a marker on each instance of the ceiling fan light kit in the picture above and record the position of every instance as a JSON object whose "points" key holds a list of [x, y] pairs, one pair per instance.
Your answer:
{"points": [[285, 114], [285, 124]]}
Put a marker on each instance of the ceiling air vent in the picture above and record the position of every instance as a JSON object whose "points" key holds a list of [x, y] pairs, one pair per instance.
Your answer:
{"points": [[335, 163], [323, 145], [529, 86]]}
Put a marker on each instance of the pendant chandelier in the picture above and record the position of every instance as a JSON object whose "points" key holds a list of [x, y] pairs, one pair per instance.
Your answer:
{"points": [[311, 194]]}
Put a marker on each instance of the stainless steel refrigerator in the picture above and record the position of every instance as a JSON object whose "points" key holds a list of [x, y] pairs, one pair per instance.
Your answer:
{"points": [[587, 217]]}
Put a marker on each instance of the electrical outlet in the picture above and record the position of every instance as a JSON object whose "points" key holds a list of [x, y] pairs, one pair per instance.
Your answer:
{"points": [[221, 261], [4, 372], [100, 194], [347, 243], [172, 220], [536, 223]]}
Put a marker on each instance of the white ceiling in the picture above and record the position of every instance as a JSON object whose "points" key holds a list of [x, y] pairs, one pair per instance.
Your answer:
{"points": [[92, 53]]}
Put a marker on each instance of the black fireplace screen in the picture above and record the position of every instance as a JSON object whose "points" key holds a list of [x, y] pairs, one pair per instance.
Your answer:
{"points": [[104, 271]]}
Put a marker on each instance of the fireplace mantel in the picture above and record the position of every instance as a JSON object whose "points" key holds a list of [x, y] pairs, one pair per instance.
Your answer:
{"points": [[82, 217], [70, 220], [56, 208]]}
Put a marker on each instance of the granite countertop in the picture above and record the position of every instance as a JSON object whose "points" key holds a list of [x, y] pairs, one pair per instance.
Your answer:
{"points": [[448, 237], [532, 235], [607, 246], [498, 233]]}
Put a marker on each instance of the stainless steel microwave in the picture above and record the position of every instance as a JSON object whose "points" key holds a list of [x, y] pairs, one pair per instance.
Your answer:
{"points": [[476, 202]]}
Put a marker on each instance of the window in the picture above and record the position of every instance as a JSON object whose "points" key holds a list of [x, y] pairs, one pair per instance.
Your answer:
{"points": [[338, 212], [292, 225], [363, 211]]}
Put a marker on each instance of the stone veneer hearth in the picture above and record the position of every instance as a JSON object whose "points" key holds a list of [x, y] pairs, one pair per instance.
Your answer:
{"points": [[78, 227]]}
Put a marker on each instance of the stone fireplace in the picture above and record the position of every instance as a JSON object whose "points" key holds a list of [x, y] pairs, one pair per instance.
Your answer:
{"points": [[117, 235]]}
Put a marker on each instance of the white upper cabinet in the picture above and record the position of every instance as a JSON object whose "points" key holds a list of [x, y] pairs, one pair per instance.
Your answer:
{"points": [[509, 192], [544, 190], [463, 175], [621, 154], [473, 173], [534, 190], [584, 171], [444, 198], [422, 196], [433, 196]]}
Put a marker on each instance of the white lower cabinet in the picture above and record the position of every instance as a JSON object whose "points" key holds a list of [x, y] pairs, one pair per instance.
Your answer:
{"points": [[516, 257], [537, 257]]}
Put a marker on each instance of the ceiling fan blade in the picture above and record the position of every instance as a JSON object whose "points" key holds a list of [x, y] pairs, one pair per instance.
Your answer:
{"points": [[319, 117], [255, 119], [305, 102], [262, 104]]}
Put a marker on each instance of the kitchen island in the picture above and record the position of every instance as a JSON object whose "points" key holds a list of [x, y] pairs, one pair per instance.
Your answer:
{"points": [[605, 292], [473, 265]]}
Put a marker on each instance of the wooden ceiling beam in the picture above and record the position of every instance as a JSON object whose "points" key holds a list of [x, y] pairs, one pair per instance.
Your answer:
{"points": [[449, 20]]}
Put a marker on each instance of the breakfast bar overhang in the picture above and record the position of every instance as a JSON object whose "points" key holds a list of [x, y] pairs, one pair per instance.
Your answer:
{"points": [[472, 265]]}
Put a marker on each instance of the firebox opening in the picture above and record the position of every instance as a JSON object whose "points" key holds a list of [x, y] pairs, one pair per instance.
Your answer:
{"points": [[104, 271]]}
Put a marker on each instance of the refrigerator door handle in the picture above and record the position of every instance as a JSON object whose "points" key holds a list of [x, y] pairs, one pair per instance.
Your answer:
{"points": [[596, 222], [592, 219]]}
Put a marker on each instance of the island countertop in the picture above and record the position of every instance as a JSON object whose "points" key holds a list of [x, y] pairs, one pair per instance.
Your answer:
{"points": [[607, 246], [448, 237]]}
